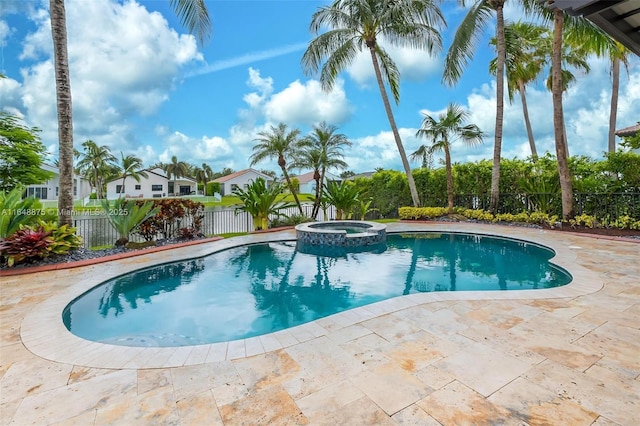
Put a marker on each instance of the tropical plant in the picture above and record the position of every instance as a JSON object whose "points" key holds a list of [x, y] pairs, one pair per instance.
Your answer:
{"points": [[443, 132], [21, 154], [278, 143], [126, 215], [63, 237], [365, 207], [356, 25], [173, 215], [322, 150], [25, 243], [460, 53], [192, 13], [260, 201], [131, 166], [95, 163], [343, 196], [16, 212]]}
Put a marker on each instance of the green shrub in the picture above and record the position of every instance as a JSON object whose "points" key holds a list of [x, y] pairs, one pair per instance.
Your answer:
{"points": [[212, 188], [418, 213], [172, 214], [585, 220], [64, 238]]}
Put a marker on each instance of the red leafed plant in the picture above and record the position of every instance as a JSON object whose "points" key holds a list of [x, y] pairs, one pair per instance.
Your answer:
{"points": [[26, 243]]}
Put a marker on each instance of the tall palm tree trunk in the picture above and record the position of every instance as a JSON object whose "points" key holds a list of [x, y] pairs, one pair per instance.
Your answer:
{"points": [[293, 192], [447, 160], [527, 122], [566, 185], [394, 127], [65, 121], [613, 114], [497, 146], [316, 202]]}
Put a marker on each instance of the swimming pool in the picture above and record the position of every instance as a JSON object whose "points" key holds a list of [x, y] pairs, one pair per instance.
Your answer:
{"points": [[256, 289]]}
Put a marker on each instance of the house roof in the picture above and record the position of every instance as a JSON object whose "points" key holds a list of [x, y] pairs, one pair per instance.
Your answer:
{"points": [[618, 18], [305, 177], [629, 131], [361, 175], [240, 173]]}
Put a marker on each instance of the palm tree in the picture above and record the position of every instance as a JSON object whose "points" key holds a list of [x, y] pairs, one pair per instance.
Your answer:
{"points": [[96, 163], [443, 132], [323, 151], [192, 13], [131, 166], [203, 175], [344, 196], [354, 25], [460, 53], [278, 143], [525, 60], [618, 54], [175, 169], [579, 31], [566, 185]]}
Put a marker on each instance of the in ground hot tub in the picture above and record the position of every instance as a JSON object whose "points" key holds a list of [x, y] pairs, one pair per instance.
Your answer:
{"points": [[341, 233]]}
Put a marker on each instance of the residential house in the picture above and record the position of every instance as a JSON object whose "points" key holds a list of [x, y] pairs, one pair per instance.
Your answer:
{"points": [[308, 184], [156, 185], [50, 189], [240, 179]]}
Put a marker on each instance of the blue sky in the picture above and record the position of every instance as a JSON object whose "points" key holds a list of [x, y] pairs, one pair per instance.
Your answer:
{"points": [[142, 85]]}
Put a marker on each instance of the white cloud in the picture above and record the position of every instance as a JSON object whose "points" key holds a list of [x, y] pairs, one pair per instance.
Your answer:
{"points": [[586, 110], [413, 64], [306, 103], [123, 63]]}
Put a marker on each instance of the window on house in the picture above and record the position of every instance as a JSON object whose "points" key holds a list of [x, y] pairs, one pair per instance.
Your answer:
{"points": [[156, 187], [119, 189], [138, 187], [233, 187], [75, 187], [57, 190]]}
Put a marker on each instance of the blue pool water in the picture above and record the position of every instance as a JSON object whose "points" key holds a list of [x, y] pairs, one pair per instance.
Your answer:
{"points": [[256, 289]]}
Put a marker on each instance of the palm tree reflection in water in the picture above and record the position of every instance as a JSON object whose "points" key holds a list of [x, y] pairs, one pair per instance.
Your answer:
{"points": [[143, 285]]}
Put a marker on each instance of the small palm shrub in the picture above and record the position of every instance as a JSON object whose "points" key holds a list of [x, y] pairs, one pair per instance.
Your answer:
{"points": [[125, 215], [262, 201], [343, 196]]}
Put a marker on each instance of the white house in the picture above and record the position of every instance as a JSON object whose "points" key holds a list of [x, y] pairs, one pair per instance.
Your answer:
{"points": [[308, 184], [156, 185], [240, 179], [50, 189]]}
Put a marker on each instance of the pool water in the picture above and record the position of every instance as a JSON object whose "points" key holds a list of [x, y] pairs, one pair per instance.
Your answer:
{"points": [[257, 289]]}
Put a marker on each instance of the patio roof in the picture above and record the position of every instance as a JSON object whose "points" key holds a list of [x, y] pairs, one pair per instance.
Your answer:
{"points": [[629, 131], [618, 18]]}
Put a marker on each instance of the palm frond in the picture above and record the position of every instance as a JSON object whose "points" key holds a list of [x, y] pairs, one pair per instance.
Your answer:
{"points": [[466, 40], [193, 14]]}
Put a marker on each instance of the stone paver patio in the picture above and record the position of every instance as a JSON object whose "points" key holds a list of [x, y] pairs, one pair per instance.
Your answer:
{"points": [[566, 356]]}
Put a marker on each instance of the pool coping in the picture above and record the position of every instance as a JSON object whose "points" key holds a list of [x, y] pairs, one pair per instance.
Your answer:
{"points": [[43, 332]]}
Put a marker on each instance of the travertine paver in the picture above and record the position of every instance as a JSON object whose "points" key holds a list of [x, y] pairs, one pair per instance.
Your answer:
{"points": [[562, 356]]}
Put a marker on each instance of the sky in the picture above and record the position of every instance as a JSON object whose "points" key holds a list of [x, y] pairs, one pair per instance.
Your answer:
{"points": [[142, 85]]}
